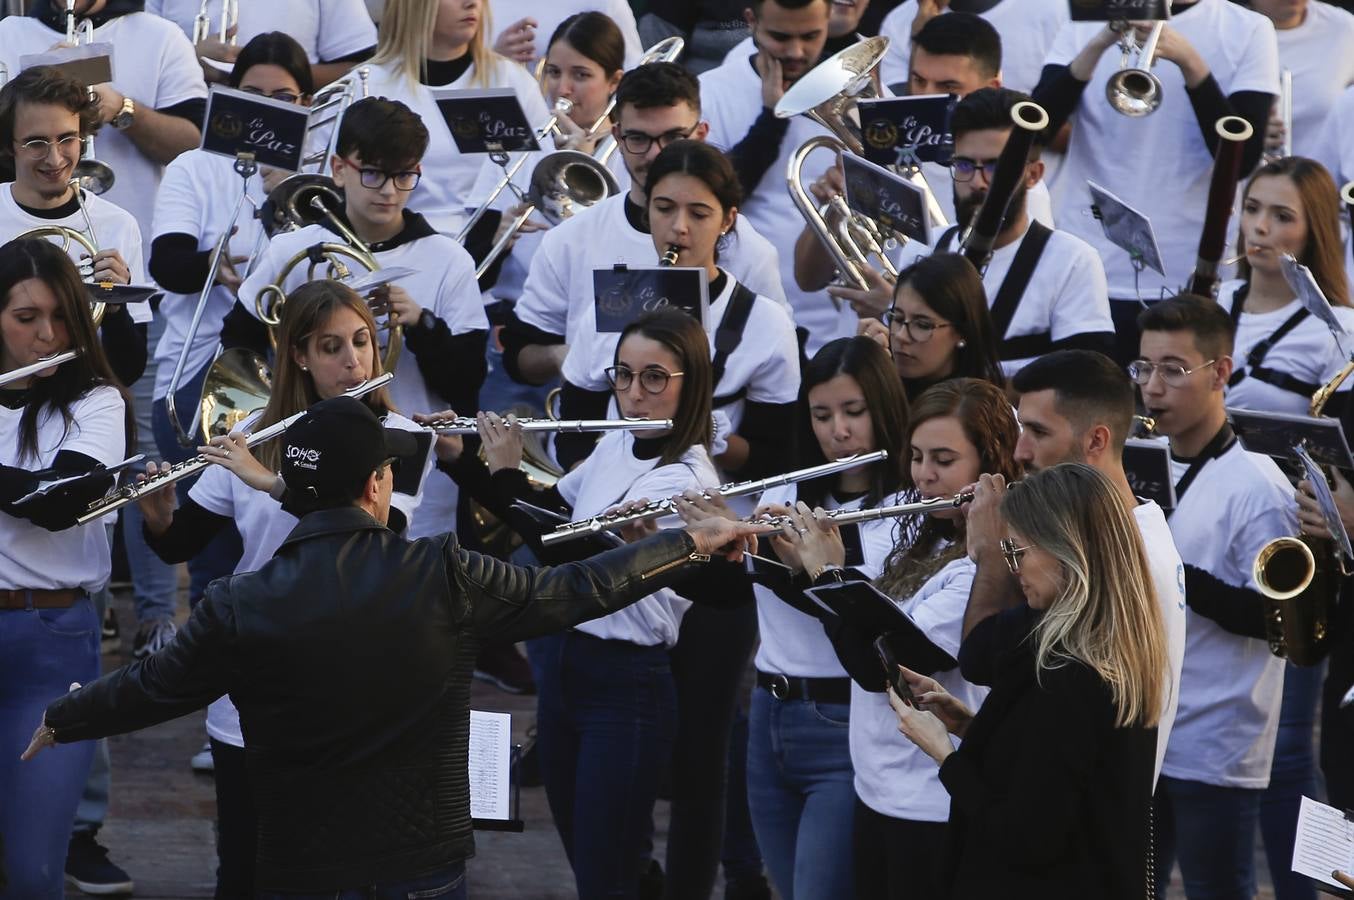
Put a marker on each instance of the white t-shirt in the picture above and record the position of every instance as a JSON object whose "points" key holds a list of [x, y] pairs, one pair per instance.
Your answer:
{"points": [[893, 777], [1066, 294], [1160, 163], [197, 196], [793, 643], [1231, 686], [558, 294], [447, 188], [1027, 29], [443, 282], [548, 17], [1309, 353], [263, 526], [77, 557], [1320, 54], [610, 475], [1168, 578], [326, 29], [153, 64]]}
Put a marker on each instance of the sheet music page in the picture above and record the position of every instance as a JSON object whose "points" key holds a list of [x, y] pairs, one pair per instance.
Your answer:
{"points": [[490, 752], [1325, 842]]}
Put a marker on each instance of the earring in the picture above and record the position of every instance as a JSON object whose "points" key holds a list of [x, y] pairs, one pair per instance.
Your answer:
{"points": [[962, 344], [305, 369]]}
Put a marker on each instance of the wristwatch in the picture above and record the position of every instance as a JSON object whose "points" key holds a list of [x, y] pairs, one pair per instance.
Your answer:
{"points": [[123, 120]]}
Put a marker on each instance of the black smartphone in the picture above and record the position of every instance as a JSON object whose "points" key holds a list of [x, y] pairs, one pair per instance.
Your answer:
{"points": [[892, 672]]}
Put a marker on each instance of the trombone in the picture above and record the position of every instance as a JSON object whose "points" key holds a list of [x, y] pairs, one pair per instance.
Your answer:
{"points": [[1134, 91], [337, 96], [202, 22], [90, 174]]}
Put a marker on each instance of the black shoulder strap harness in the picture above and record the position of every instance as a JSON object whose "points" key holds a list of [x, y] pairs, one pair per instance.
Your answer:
{"points": [[729, 335], [1220, 444], [1253, 366], [1013, 289]]}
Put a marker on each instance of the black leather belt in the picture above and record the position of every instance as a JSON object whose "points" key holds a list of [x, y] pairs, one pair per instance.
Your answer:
{"points": [[819, 690]]}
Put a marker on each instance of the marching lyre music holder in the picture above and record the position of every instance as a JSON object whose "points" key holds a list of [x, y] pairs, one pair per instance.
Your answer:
{"points": [[239, 122], [623, 293], [1282, 434]]}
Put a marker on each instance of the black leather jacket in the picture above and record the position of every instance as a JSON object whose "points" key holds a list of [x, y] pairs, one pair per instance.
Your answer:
{"points": [[349, 657]]}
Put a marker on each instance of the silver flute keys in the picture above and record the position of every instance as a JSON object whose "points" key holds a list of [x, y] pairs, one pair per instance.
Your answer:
{"points": [[851, 516], [468, 425], [584, 527]]}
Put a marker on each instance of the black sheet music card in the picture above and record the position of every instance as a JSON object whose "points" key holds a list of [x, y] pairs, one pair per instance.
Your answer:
{"points": [[1147, 463], [486, 121], [864, 606], [892, 201], [1126, 228], [1119, 10], [1330, 513], [87, 63], [107, 292], [904, 131], [1280, 434], [238, 122], [622, 294]]}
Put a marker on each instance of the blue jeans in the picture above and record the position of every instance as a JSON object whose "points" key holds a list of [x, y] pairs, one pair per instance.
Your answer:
{"points": [[93, 808], [1212, 831], [222, 553], [447, 883], [1292, 774], [606, 715], [41, 652], [801, 795]]}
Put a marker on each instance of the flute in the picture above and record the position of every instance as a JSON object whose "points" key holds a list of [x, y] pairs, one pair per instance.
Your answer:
{"points": [[45, 362], [130, 493], [851, 516], [653, 510], [468, 425]]}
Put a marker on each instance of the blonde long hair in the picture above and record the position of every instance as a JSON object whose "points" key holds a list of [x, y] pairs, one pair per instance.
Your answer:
{"points": [[406, 33], [1106, 616]]}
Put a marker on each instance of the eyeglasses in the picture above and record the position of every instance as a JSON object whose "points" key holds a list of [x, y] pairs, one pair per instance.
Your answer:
{"points": [[638, 142], [1173, 374], [39, 148], [375, 179], [1012, 554], [919, 331], [280, 96], [652, 380], [963, 169]]}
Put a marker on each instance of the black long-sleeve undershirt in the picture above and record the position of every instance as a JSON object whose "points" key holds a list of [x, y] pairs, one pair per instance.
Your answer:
{"points": [[758, 150], [453, 366], [188, 534], [1238, 610], [177, 264], [59, 509], [764, 426], [515, 336], [241, 328], [124, 343]]}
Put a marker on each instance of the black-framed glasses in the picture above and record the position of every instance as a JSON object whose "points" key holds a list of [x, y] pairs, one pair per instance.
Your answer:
{"points": [[1012, 554], [652, 380], [962, 168], [1173, 374], [638, 142], [283, 96], [38, 148], [375, 179], [919, 329]]}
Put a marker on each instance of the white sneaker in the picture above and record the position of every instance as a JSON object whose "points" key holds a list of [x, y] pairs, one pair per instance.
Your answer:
{"points": [[202, 760]]}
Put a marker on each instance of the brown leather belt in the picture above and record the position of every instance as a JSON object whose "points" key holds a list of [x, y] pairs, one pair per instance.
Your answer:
{"points": [[41, 599]]}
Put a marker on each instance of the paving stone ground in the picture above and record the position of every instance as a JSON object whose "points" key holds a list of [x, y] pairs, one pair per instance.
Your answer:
{"points": [[159, 826]]}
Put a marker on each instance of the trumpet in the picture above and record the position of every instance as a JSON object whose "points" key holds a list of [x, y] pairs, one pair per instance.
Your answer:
{"points": [[44, 362], [852, 516], [91, 174], [606, 522], [468, 425], [202, 22], [669, 257], [130, 493], [1135, 91]]}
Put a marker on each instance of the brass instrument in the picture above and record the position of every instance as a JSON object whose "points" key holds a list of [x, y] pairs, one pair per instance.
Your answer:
{"points": [[669, 257], [334, 98], [69, 236], [1134, 91], [130, 493], [91, 174], [44, 362], [1143, 426], [469, 425], [657, 508], [237, 385], [202, 22]]}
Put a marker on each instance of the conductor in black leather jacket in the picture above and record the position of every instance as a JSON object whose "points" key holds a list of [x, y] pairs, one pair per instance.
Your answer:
{"points": [[349, 657]]}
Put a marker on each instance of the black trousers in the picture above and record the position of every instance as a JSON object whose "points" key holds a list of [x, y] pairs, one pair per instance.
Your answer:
{"points": [[897, 859], [237, 824]]}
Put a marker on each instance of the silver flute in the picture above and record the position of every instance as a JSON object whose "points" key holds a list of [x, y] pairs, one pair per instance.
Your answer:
{"points": [[468, 425], [851, 516], [653, 510], [46, 362], [130, 493]]}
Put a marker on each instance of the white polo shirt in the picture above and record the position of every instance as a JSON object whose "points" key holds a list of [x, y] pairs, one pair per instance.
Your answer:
{"points": [[1231, 686], [325, 29], [611, 475], [77, 557], [1158, 163], [153, 63], [549, 16], [114, 229]]}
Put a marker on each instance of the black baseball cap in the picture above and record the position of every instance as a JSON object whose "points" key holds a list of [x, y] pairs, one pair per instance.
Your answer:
{"points": [[329, 452]]}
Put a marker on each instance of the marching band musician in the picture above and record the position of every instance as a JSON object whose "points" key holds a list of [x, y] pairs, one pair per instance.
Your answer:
{"points": [[602, 780], [518, 24], [656, 104], [63, 421], [377, 167], [959, 429], [327, 345], [1230, 503], [1316, 44], [800, 790]]}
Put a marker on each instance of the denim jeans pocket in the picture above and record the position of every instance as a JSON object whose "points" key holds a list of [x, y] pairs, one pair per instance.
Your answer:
{"points": [[445, 890], [75, 621], [833, 713]]}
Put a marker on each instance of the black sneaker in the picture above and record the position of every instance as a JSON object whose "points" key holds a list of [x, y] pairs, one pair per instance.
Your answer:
{"points": [[90, 870], [111, 636], [501, 665], [152, 635]]}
